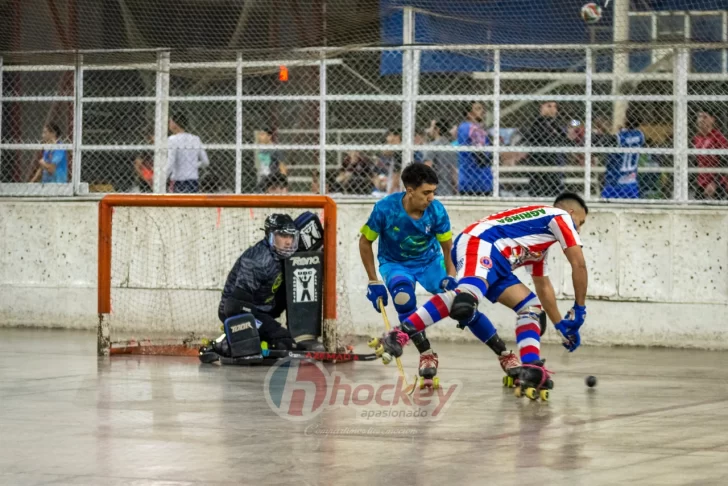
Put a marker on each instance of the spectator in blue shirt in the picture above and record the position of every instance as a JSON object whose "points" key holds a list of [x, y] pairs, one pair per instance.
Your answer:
{"points": [[476, 178], [53, 166]]}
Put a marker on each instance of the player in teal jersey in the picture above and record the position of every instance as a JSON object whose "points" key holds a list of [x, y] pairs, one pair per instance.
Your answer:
{"points": [[414, 233]]}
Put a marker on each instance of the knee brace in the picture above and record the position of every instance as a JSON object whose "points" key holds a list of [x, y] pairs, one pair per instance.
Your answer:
{"points": [[403, 296], [530, 308]]}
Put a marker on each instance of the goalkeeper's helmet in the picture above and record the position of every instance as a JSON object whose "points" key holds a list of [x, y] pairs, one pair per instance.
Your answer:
{"points": [[281, 234]]}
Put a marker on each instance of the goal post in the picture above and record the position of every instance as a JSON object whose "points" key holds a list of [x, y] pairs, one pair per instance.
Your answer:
{"points": [[163, 261]]}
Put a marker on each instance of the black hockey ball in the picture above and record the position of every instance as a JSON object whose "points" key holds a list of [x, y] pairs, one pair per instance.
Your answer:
{"points": [[591, 381]]}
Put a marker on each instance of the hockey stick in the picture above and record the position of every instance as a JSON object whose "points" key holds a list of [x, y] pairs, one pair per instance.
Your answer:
{"points": [[399, 361], [271, 356]]}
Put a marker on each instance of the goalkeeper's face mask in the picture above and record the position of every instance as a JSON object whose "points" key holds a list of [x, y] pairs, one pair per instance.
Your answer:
{"points": [[284, 243]]}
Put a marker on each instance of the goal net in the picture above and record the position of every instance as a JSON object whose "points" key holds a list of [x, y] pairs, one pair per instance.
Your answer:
{"points": [[163, 261]]}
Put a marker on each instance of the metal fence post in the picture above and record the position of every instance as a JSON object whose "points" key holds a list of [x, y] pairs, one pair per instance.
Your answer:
{"points": [[496, 122], [1, 115], [408, 34], [322, 124], [239, 124], [77, 124], [680, 122], [161, 122], [588, 125]]}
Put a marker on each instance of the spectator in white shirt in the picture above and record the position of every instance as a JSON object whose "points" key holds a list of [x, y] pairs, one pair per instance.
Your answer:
{"points": [[185, 157]]}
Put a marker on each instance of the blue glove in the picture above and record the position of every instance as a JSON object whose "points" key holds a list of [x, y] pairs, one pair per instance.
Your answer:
{"points": [[375, 290], [448, 283], [569, 327]]}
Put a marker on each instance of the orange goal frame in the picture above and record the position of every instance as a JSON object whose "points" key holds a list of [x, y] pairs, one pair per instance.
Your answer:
{"points": [[106, 209]]}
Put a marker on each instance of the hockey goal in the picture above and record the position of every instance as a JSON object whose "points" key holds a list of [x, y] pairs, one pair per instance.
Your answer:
{"points": [[163, 261]]}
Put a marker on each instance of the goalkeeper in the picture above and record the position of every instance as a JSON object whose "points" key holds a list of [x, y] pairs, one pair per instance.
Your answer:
{"points": [[254, 295], [414, 232]]}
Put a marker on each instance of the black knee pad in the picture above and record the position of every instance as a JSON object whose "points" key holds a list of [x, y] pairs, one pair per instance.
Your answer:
{"points": [[242, 335], [542, 322], [464, 306]]}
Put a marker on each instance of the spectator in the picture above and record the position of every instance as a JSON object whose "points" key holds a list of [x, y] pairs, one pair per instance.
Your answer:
{"points": [[144, 168], [620, 181], [185, 157], [275, 183], [332, 187], [390, 162], [476, 178], [445, 164], [53, 165], [268, 161], [710, 186], [545, 131], [357, 174]]}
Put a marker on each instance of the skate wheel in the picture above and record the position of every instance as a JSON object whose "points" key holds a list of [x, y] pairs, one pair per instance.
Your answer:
{"points": [[531, 393], [386, 358], [436, 382], [544, 394], [518, 392], [508, 382], [422, 382], [205, 342], [373, 343]]}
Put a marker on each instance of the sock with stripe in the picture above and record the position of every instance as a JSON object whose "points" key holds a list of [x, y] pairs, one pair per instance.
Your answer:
{"points": [[528, 330]]}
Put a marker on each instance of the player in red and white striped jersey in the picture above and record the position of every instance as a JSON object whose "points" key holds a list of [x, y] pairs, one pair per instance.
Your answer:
{"points": [[485, 255]]}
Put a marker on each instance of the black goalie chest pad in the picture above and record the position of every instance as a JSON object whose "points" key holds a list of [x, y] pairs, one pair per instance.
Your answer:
{"points": [[311, 232]]}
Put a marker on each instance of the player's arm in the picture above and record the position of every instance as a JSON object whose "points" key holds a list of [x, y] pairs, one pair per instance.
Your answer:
{"points": [[366, 251], [579, 276], [370, 232], [446, 250], [443, 233], [547, 296]]}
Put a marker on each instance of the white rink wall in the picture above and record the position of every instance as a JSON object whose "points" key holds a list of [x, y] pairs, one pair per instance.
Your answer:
{"points": [[658, 275]]}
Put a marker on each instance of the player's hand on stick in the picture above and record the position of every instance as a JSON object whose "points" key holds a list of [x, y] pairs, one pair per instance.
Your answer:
{"points": [[376, 290], [448, 283], [569, 327]]}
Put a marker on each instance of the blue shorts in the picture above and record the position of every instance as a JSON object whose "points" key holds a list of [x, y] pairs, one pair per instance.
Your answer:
{"points": [[626, 191], [429, 276]]}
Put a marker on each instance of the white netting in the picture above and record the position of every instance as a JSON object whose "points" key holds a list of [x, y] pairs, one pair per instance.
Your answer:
{"points": [[169, 266]]}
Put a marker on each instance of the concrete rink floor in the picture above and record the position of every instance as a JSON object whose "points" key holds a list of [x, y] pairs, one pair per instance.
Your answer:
{"points": [[657, 416]]}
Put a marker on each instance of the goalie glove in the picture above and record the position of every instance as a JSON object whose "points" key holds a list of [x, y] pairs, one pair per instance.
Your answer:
{"points": [[375, 290]]}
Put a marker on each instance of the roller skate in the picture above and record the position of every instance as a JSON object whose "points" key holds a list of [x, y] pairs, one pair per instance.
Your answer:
{"points": [[428, 370], [511, 367], [390, 345], [534, 381], [211, 351]]}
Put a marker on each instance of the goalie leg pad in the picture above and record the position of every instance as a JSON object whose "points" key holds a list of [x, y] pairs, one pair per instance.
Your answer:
{"points": [[242, 335]]}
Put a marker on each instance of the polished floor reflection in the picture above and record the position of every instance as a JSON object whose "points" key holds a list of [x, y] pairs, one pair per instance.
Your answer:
{"points": [[656, 416]]}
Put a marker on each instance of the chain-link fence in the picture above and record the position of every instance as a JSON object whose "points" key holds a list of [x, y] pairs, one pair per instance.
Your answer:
{"points": [[634, 122]]}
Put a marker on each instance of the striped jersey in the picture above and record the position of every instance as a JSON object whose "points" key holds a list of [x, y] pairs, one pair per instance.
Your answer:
{"points": [[523, 235]]}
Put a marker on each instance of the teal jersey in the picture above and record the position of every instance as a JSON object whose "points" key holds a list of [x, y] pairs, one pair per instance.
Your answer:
{"points": [[402, 239]]}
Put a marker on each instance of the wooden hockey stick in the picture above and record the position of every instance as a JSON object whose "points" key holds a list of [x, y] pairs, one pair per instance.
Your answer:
{"points": [[399, 361]]}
